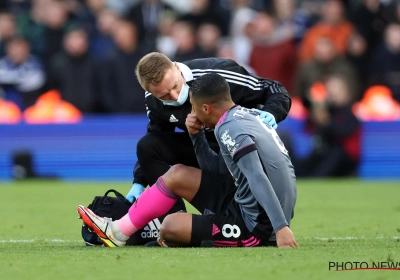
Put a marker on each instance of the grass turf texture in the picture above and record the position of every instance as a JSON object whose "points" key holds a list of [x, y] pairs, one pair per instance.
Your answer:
{"points": [[40, 237]]}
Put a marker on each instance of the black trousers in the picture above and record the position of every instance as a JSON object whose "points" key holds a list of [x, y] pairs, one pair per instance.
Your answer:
{"points": [[157, 151]]}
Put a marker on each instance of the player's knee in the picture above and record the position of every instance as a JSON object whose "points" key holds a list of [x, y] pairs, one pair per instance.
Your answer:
{"points": [[175, 175], [169, 228]]}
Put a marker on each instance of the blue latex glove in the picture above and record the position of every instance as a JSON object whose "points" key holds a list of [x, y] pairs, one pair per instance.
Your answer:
{"points": [[135, 192], [268, 118]]}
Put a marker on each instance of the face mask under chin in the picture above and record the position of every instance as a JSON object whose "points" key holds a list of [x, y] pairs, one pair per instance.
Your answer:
{"points": [[183, 96]]}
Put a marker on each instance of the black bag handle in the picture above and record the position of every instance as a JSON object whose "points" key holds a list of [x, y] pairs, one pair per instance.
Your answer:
{"points": [[117, 194]]}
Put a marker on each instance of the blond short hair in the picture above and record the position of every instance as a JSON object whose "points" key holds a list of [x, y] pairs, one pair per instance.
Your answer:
{"points": [[151, 69]]}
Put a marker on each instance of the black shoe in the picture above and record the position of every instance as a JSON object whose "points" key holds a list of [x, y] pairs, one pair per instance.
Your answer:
{"points": [[152, 244]]}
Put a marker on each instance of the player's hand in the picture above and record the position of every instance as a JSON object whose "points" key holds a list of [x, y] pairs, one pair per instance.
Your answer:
{"points": [[285, 238], [193, 124], [135, 192], [268, 118]]}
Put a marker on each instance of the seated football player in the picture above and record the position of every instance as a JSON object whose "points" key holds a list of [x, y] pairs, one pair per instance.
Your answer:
{"points": [[254, 211]]}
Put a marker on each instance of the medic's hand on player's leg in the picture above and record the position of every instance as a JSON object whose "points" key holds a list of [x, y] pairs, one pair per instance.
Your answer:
{"points": [[285, 238], [267, 118], [193, 124], [135, 192]]}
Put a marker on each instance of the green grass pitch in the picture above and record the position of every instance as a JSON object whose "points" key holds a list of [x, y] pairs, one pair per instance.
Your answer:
{"points": [[335, 221]]}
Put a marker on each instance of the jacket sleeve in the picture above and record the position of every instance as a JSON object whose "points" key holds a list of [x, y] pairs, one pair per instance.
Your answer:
{"points": [[278, 102], [249, 90], [206, 157], [138, 175], [262, 189]]}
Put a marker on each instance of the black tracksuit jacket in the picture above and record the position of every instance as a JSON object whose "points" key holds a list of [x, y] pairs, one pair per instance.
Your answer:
{"points": [[246, 89]]}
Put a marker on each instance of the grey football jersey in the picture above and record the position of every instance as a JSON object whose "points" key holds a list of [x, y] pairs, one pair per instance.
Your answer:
{"points": [[260, 166]]}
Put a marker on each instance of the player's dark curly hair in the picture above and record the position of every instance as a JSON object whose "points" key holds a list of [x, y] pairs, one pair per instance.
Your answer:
{"points": [[210, 88]]}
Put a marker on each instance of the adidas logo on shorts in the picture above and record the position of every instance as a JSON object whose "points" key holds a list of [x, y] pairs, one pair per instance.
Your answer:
{"points": [[152, 230]]}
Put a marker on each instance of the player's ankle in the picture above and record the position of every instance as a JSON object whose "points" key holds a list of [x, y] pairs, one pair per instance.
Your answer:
{"points": [[118, 233]]}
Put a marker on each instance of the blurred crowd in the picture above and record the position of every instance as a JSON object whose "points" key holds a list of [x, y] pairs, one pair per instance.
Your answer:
{"points": [[88, 49], [339, 60]]}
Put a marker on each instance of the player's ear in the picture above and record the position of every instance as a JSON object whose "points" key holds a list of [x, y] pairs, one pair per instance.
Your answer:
{"points": [[206, 109], [176, 65]]}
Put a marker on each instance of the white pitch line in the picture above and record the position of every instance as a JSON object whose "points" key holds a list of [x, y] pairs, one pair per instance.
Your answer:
{"points": [[17, 241], [71, 241], [61, 240], [36, 240], [353, 238]]}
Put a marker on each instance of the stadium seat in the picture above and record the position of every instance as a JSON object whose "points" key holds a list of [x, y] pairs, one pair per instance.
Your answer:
{"points": [[50, 108], [377, 104], [9, 112], [298, 111]]}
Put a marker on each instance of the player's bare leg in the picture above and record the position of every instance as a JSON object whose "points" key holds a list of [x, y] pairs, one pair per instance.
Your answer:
{"points": [[183, 181], [179, 181], [176, 230]]}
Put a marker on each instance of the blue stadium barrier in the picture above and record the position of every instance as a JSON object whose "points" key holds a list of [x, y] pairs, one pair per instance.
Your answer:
{"points": [[104, 147], [300, 140], [380, 150], [100, 147]]}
